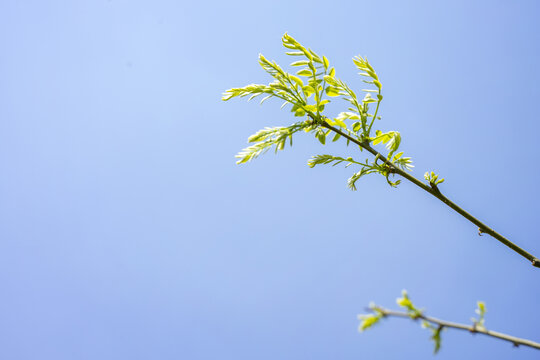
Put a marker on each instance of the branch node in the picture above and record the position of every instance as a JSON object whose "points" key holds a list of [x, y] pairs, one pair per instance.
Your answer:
{"points": [[434, 187]]}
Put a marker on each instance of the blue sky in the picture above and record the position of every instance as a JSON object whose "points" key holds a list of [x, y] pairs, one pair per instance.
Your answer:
{"points": [[127, 230]]}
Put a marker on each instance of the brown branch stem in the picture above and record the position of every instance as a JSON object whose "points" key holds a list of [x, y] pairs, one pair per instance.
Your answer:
{"points": [[448, 324], [435, 192]]}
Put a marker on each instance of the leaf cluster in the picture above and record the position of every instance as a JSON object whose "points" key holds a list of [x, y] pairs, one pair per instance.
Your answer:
{"points": [[291, 88], [305, 92], [481, 312], [433, 178], [369, 320], [266, 138], [377, 313], [415, 313], [366, 167]]}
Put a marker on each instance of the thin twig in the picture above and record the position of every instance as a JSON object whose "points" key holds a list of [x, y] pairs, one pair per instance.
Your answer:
{"points": [[448, 324], [435, 192]]}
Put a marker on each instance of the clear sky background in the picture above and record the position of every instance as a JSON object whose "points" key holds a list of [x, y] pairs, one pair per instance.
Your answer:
{"points": [[128, 232]]}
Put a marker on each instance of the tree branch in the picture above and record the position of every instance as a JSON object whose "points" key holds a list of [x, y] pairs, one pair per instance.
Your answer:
{"points": [[433, 190], [471, 328]]}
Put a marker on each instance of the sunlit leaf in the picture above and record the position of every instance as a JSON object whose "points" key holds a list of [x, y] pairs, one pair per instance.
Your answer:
{"points": [[304, 72]]}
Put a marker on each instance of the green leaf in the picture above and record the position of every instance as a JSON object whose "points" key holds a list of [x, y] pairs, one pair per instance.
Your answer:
{"points": [[436, 337], [325, 62], [340, 123], [289, 46], [266, 138], [331, 159], [295, 53], [368, 321], [368, 99], [481, 307], [348, 115], [433, 178], [336, 137], [351, 182], [312, 108], [321, 136], [246, 90], [297, 80], [330, 80], [316, 84], [405, 301], [332, 72], [314, 56], [392, 139], [300, 63], [481, 312], [253, 151], [304, 72], [308, 90], [332, 91], [266, 98]]}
